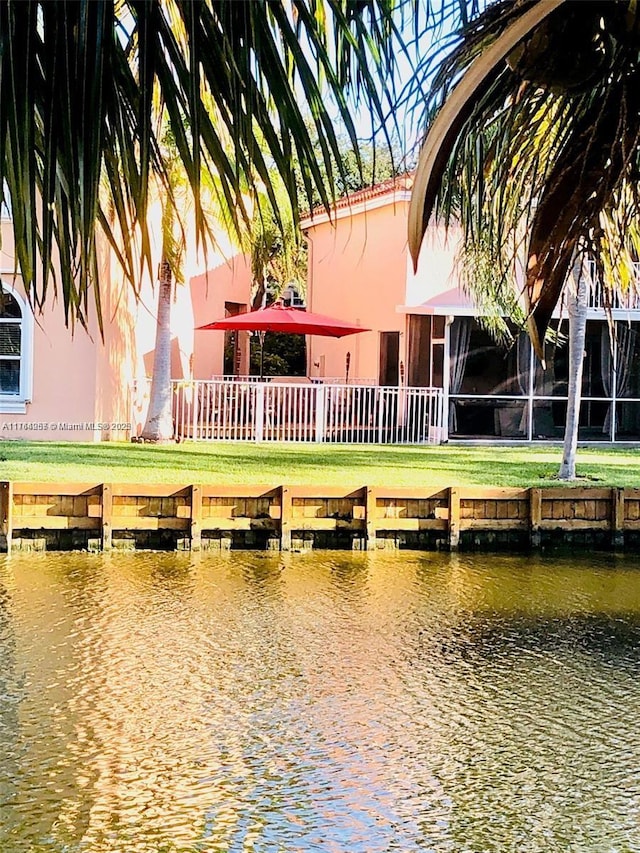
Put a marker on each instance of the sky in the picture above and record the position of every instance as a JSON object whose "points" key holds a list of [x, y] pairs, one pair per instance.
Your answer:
{"points": [[414, 70]]}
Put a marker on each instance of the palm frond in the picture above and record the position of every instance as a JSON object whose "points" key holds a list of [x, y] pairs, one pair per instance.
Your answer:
{"points": [[456, 111], [80, 82], [537, 134]]}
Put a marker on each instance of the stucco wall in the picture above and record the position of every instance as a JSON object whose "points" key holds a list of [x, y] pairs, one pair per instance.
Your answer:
{"points": [[228, 280], [116, 356], [357, 272], [437, 267], [80, 382]]}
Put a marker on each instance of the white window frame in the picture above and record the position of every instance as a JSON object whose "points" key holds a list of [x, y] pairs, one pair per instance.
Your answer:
{"points": [[17, 403]]}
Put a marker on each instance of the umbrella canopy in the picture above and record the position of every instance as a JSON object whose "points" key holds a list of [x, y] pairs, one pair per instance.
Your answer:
{"points": [[278, 318]]}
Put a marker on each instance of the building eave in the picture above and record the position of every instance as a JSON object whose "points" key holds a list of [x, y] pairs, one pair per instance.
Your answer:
{"points": [[365, 206]]}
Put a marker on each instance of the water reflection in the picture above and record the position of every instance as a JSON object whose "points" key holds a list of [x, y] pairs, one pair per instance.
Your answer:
{"points": [[365, 702]]}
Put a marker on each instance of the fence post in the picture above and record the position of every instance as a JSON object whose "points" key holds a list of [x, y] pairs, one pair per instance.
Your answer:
{"points": [[436, 401], [259, 411], [196, 517], [432, 416], [401, 415], [535, 517], [382, 403], [321, 408], [107, 513], [285, 518], [454, 519], [370, 506], [6, 509], [195, 405], [617, 518], [446, 406]]}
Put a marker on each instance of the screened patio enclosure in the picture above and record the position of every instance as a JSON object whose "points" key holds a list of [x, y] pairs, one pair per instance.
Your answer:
{"points": [[502, 392]]}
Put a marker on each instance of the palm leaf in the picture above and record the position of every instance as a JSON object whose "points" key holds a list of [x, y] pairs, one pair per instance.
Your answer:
{"points": [[455, 113], [534, 156], [79, 85]]}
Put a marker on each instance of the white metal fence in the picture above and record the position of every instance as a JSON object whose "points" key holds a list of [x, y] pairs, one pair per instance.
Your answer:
{"points": [[220, 410], [293, 380]]}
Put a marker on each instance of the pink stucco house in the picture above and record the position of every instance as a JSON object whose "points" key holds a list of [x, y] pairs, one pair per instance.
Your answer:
{"points": [[427, 333], [58, 383], [360, 270]]}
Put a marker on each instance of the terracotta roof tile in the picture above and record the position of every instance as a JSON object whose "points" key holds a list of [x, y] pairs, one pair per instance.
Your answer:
{"points": [[400, 183]]}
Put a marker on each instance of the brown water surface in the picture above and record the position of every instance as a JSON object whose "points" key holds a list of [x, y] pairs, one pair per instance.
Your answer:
{"points": [[324, 702]]}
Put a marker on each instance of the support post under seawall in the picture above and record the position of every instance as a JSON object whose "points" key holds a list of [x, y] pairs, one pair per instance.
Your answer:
{"points": [[454, 518], [107, 513], [196, 518], [535, 517], [285, 518], [6, 507], [617, 518], [370, 514]]}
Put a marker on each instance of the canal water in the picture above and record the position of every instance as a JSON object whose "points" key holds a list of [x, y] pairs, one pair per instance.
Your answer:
{"points": [[152, 703]]}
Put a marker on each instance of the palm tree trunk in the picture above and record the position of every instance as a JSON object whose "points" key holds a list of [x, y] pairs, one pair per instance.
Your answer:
{"points": [[159, 424], [258, 290], [578, 291]]}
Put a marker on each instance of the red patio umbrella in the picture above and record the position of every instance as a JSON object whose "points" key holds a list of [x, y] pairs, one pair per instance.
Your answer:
{"points": [[278, 318]]}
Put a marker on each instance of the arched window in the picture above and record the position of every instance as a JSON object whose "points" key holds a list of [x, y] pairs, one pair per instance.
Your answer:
{"points": [[15, 362]]}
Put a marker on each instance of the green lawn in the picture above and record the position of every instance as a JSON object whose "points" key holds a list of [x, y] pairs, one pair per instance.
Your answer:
{"points": [[348, 465]]}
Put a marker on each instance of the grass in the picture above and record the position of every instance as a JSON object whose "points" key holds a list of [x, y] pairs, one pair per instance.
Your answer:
{"points": [[348, 465]]}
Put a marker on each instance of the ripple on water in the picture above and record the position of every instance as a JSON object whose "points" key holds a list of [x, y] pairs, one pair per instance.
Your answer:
{"points": [[365, 702]]}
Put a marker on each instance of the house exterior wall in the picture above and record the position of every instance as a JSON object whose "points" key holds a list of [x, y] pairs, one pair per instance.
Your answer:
{"points": [[357, 272], [116, 355], [436, 273], [228, 280], [360, 271], [79, 382]]}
